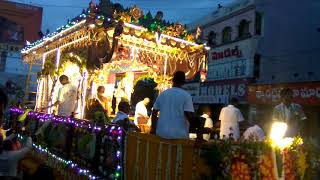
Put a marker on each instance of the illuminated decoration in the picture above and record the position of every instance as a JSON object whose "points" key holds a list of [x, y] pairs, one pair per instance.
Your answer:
{"points": [[50, 37], [278, 130], [44, 153], [71, 69], [102, 45], [58, 58], [203, 75], [136, 13], [43, 59], [112, 133], [85, 86]]}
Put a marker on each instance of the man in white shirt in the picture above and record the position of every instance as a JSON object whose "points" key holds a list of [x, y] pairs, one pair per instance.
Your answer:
{"points": [[141, 112], [67, 97], [208, 124], [254, 133], [230, 117], [176, 110], [290, 113]]}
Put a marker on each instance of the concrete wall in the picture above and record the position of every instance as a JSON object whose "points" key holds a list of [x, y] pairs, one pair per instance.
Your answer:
{"points": [[290, 44], [232, 22], [15, 65], [28, 17]]}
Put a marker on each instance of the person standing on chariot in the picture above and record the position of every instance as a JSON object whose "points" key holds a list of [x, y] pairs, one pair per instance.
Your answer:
{"points": [[119, 94], [176, 111], [101, 98], [67, 97]]}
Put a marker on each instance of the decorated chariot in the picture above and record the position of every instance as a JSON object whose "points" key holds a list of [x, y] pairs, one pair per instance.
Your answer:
{"points": [[114, 47]]}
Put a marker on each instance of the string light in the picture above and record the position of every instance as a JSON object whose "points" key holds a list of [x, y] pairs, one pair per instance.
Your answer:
{"points": [[115, 132], [53, 35], [67, 163], [64, 29]]}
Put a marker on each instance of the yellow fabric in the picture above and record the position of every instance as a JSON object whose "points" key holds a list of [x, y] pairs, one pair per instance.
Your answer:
{"points": [[23, 116], [3, 134]]}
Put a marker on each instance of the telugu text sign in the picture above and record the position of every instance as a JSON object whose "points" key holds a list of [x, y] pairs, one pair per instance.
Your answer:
{"points": [[303, 93]]}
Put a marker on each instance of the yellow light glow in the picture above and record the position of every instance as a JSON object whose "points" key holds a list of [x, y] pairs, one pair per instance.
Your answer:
{"points": [[92, 26], [71, 70], [285, 142], [278, 130]]}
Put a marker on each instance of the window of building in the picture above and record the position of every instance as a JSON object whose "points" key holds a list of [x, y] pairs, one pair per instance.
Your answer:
{"points": [[212, 38], [244, 29], [3, 60], [256, 66], [258, 23], [226, 34]]}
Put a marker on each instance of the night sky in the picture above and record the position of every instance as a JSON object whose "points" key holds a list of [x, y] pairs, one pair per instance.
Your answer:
{"points": [[57, 12]]}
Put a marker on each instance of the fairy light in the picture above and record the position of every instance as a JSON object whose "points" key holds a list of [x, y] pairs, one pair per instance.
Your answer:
{"points": [[115, 132], [68, 44], [43, 59], [58, 58], [39, 93], [85, 85], [135, 27], [51, 36]]}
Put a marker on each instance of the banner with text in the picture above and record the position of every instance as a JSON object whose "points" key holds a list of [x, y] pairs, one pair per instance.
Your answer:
{"points": [[220, 92], [303, 93], [232, 61]]}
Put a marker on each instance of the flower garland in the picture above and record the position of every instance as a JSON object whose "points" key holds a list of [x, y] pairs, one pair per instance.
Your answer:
{"points": [[266, 167], [234, 160]]}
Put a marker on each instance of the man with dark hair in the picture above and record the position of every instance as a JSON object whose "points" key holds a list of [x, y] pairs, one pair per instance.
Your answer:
{"points": [[67, 97], [124, 110], [230, 117], [122, 117], [289, 112], [176, 110]]}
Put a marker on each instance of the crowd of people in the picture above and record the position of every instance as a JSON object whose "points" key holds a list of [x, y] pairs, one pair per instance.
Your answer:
{"points": [[13, 150], [173, 112], [170, 118]]}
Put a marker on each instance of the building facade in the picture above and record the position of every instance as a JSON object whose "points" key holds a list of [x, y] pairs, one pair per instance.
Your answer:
{"points": [[19, 23], [264, 46]]}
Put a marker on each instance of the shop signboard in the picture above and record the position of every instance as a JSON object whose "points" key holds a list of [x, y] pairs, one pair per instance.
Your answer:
{"points": [[192, 88], [220, 92], [303, 93], [232, 61]]}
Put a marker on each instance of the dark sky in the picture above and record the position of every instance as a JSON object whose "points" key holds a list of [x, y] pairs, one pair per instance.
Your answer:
{"points": [[57, 12]]}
